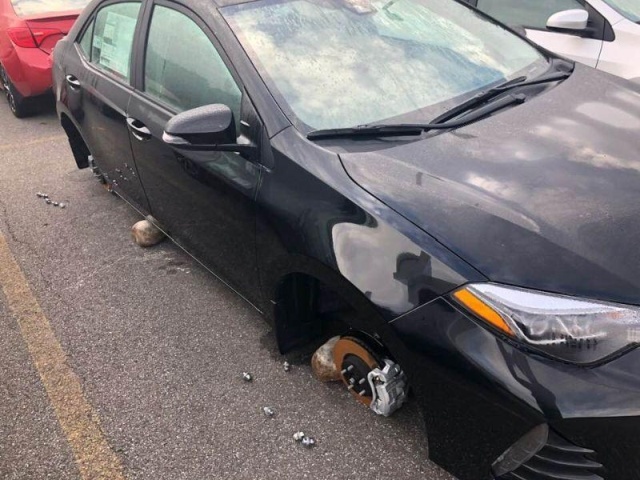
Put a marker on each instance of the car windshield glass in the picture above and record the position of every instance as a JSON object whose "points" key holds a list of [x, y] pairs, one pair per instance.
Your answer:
{"points": [[25, 8], [340, 63], [628, 8]]}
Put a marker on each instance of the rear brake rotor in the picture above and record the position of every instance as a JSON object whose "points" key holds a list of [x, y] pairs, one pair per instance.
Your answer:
{"points": [[355, 360]]}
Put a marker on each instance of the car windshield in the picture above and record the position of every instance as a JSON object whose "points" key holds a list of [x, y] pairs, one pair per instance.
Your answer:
{"points": [[341, 63], [628, 8], [24, 8]]}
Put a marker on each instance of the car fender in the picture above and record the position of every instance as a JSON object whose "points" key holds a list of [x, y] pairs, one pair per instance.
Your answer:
{"points": [[313, 219]]}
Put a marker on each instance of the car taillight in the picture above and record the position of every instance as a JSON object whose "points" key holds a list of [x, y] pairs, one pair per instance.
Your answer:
{"points": [[31, 38], [22, 37]]}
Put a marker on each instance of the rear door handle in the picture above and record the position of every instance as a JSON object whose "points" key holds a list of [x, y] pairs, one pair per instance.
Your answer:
{"points": [[73, 81], [138, 129]]}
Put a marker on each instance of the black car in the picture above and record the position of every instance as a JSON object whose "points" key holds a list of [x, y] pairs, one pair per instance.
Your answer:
{"points": [[461, 207]]}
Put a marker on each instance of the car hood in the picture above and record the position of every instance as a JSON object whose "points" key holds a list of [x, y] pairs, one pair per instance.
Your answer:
{"points": [[545, 195]]}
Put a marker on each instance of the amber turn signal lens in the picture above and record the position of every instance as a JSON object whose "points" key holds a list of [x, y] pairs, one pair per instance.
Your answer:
{"points": [[483, 311]]}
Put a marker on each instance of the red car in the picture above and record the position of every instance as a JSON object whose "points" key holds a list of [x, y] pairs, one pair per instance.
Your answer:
{"points": [[29, 29]]}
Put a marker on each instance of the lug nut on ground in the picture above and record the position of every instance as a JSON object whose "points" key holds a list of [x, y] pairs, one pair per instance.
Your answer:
{"points": [[268, 411], [246, 376], [304, 440], [308, 442]]}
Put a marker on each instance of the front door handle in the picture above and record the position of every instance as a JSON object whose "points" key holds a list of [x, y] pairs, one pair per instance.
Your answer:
{"points": [[138, 129], [73, 81]]}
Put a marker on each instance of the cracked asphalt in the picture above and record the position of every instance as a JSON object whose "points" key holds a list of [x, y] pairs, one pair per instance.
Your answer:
{"points": [[158, 346]]}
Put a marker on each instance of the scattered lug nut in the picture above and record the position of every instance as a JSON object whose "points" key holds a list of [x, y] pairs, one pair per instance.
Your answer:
{"points": [[286, 366], [303, 439], [246, 376], [268, 411], [308, 441], [48, 201]]}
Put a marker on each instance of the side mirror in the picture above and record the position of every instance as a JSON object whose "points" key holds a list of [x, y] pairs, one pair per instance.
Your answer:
{"points": [[575, 20], [211, 124], [207, 128]]}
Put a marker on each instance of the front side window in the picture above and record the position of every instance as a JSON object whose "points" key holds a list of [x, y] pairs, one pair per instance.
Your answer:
{"points": [[526, 13], [25, 8], [341, 63], [628, 8], [112, 40], [183, 69]]}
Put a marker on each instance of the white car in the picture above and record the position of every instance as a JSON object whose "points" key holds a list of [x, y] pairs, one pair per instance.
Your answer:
{"points": [[604, 34]]}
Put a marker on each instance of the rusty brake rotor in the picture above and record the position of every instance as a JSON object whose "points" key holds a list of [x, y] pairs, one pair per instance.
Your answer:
{"points": [[355, 360]]}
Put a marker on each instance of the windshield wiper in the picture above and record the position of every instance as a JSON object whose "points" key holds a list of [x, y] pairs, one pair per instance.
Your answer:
{"points": [[478, 105], [402, 129], [487, 95]]}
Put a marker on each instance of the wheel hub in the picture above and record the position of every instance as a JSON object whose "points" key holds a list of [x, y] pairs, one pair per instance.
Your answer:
{"points": [[354, 373], [375, 381], [355, 361]]}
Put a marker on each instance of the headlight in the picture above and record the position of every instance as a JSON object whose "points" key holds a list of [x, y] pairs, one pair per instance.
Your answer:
{"points": [[571, 329]]}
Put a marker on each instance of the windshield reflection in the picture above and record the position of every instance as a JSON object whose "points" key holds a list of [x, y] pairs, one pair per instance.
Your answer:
{"points": [[337, 63], [627, 8], [25, 8]]}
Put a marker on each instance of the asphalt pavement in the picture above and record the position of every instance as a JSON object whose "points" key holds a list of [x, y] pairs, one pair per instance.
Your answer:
{"points": [[157, 346]]}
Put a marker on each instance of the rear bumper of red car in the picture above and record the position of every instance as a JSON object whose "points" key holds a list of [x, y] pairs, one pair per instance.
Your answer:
{"points": [[29, 70]]}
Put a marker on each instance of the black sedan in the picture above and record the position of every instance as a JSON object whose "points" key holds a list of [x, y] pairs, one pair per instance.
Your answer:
{"points": [[459, 206]]}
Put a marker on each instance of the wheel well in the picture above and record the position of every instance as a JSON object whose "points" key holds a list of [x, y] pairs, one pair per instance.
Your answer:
{"points": [[78, 146], [308, 312]]}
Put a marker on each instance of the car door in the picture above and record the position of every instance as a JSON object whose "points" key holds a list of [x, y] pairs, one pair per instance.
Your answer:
{"points": [[98, 89], [621, 56], [532, 15], [206, 200]]}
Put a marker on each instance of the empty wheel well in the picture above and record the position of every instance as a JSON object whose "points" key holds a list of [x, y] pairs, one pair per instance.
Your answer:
{"points": [[78, 146], [309, 311]]}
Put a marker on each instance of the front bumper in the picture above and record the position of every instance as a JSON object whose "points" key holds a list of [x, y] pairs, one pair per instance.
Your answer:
{"points": [[480, 394]]}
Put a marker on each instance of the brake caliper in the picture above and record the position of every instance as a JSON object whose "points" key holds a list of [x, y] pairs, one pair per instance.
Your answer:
{"points": [[374, 381], [389, 387]]}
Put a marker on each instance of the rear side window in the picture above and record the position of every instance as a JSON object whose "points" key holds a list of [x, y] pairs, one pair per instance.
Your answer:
{"points": [[85, 41], [183, 68], [526, 13], [112, 40], [24, 8]]}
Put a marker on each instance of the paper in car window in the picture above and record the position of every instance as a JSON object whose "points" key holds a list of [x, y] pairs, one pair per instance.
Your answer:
{"points": [[115, 43]]}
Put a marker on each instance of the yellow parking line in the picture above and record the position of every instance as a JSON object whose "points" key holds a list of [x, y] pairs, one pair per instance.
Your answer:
{"points": [[9, 146], [79, 421]]}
